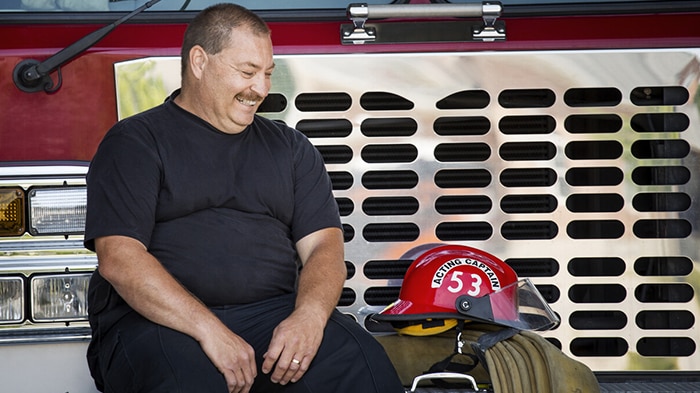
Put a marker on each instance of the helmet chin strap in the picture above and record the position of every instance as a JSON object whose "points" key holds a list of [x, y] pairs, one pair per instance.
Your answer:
{"points": [[488, 340], [448, 365], [479, 347], [459, 344]]}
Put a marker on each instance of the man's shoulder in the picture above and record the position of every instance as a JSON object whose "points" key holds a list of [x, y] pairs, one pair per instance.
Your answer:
{"points": [[142, 123], [149, 115], [278, 129]]}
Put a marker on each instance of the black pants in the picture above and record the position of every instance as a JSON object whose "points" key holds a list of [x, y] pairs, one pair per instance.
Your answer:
{"points": [[136, 355]]}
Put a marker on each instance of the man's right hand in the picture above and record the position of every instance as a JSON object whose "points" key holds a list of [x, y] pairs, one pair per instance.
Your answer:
{"points": [[233, 356]]}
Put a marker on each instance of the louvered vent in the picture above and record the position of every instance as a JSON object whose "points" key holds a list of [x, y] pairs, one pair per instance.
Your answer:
{"points": [[579, 170]]}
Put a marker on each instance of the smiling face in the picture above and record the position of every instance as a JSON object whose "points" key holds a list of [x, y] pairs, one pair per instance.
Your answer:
{"points": [[226, 88]]}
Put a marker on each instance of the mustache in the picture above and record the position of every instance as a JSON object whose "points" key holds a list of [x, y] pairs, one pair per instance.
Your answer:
{"points": [[250, 97]]}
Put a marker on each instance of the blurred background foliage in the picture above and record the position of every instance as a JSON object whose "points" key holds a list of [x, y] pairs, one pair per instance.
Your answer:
{"points": [[138, 88]]}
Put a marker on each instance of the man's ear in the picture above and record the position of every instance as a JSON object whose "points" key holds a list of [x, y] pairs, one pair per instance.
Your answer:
{"points": [[198, 60]]}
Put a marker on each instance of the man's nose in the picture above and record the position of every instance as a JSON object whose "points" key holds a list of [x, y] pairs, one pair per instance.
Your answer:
{"points": [[261, 85]]}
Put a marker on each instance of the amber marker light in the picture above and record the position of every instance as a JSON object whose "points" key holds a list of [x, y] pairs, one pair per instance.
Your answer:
{"points": [[12, 218]]}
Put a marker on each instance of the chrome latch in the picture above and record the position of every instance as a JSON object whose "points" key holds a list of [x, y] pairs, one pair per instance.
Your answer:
{"points": [[359, 14], [490, 31]]}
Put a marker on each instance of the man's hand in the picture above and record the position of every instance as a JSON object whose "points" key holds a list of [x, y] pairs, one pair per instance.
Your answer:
{"points": [[294, 344], [296, 340], [232, 356]]}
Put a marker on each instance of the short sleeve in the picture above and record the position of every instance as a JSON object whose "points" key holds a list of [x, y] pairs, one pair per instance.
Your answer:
{"points": [[122, 183], [315, 207]]}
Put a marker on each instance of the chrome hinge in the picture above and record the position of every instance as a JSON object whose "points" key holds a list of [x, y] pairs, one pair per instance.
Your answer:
{"points": [[490, 31], [359, 32]]}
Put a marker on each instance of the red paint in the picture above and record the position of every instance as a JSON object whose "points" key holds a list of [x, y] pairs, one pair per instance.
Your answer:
{"points": [[68, 124]]}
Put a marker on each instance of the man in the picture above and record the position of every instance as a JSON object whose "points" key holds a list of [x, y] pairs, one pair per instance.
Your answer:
{"points": [[219, 243]]}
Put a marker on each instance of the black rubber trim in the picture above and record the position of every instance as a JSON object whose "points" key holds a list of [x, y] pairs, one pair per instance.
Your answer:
{"points": [[599, 9]]}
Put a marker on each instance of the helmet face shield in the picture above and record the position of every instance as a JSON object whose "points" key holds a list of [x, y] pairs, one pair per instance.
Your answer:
{"points": [[518, 305]]}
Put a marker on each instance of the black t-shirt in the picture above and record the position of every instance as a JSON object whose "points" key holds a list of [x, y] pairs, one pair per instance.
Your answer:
{"points": [[221, 212]]}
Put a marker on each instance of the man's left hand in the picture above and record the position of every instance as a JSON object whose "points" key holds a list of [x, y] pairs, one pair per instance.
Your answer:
{"points": [[294, 344]]}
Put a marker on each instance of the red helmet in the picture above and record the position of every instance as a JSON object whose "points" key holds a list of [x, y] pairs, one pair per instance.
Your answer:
{"points": [[459, 282]]}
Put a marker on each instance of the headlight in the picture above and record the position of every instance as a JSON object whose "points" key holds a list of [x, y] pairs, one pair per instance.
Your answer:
{"points": [[12, 211], [57, 210], [61, 297], [11, 300]]}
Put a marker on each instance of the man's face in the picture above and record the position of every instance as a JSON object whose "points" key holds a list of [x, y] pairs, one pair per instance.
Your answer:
{"points": [[236, 80]]}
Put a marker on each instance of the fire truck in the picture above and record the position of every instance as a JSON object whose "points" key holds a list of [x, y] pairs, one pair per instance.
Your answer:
{"points": [[562, 136]]}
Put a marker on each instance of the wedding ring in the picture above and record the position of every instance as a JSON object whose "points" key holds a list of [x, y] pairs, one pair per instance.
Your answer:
{"points": [[295, 361]]}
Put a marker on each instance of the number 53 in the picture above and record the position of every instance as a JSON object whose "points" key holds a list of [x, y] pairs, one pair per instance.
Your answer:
{"points": [[457, 284]]}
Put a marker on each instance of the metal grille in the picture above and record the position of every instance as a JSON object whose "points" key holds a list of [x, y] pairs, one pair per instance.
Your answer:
{"points": [[579, 169]]}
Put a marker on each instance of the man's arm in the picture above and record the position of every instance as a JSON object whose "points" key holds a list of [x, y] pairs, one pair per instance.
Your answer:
{"points": [[154, 293], [298, 337]]}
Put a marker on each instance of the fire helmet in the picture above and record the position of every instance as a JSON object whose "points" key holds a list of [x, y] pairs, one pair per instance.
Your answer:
{"points": [[454, 282]]}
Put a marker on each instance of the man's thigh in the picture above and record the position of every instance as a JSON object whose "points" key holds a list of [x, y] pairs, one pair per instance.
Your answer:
{"points": [[140, 356]]}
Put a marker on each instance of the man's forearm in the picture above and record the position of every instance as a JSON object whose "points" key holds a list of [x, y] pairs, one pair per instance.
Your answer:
{"points": [[323, 273], [150, 289]]}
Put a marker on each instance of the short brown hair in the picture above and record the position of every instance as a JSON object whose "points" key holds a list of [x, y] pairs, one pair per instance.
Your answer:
{"points": [[211, 29]]}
